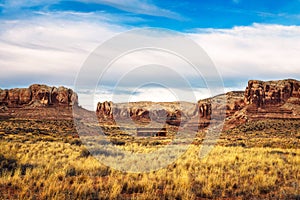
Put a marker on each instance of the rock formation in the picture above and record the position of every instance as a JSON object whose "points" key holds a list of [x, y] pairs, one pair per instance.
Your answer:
{"points": [[271, 99], [37, 95], [204, 110], [261, 94], [105, 111], [172, 113], [267, 100]]}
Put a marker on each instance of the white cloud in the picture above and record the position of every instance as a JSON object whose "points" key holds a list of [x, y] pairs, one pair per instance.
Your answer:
{"points": [[242, 53], [258, 51], [95, 16], [46, 50], [147, 65], [89, 99]]}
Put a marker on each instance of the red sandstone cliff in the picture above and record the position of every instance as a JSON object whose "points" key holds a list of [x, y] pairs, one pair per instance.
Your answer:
{"points": [[37, 102], [270, 99], [37, 95]]}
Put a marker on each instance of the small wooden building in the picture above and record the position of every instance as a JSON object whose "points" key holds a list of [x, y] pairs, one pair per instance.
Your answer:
{"points": [[151, 132]]}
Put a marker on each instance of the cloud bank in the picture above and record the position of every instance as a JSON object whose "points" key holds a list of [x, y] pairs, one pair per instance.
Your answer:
{"points": [[250, 52], [51, 50], [47, 51]]}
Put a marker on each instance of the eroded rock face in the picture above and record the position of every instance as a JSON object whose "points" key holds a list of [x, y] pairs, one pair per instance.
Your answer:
{"points": [[171, 113], [64, 95], [24, 96], [108, 111], [36, 94], [40, 93], [260, 100], [13, 97], [260, 93], [235, 102], [3, 95], [205, 110], [105, 111]]}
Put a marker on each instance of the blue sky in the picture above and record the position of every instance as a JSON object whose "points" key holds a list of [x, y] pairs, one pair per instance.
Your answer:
{"points": [[176, 14], [47, 41]]}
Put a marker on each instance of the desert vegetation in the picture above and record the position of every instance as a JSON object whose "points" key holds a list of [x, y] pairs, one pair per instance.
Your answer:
{"points": [[44, 159]]}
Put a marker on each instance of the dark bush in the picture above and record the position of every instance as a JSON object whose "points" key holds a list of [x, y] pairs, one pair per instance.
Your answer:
{"points": [[7, 164], [76, 142], [84, 153], [71, 171], [117, 141], [25, 167]]}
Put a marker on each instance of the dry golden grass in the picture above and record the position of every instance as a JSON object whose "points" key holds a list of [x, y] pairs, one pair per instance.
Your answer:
{"points": [[59, 167]]}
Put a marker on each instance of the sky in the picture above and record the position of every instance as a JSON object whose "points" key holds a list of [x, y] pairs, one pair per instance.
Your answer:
{"points": [[48, 41]]}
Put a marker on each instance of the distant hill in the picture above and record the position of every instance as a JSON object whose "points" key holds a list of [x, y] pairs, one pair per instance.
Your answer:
{"points": [[260, 100]]}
